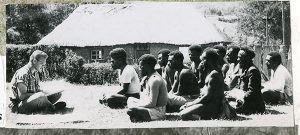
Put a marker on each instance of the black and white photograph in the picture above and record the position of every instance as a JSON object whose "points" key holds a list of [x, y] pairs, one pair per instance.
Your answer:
{"points": [[146, 64]]}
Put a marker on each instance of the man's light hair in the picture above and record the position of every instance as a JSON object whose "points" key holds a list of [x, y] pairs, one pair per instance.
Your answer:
{"points": [[37, 55]]}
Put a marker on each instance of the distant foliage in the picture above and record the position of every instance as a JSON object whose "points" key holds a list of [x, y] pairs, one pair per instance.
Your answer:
{"points": [[28, 23], [215, 11], [98, 74], [253, 18], [16, 57], [74, 67]]}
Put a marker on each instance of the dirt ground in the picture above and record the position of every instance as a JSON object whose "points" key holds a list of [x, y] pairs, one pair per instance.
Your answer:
{"points": [[84, 111]]}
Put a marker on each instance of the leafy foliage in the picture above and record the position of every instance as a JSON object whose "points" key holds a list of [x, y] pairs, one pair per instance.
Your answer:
{"points": [[74, 67], [98, 73], [28, 23], [254, 15]]}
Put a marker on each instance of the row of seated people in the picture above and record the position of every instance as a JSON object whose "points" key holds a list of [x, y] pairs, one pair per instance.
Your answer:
{"points": [[243, 87], [201, 90]]}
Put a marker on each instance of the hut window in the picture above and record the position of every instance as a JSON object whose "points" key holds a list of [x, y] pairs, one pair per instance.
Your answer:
{"points": [[96, 55]]}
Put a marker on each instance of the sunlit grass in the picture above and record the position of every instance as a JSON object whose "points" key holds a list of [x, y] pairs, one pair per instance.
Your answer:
{"points": [[86, 112]]}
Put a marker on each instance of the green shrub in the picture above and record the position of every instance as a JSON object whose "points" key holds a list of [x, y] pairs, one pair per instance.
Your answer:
{"points": [[99, 73], [73, 67]]}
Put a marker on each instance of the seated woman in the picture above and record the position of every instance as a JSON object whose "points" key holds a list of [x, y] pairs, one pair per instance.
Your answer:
{"points": [[154, 95], [210, 103]]}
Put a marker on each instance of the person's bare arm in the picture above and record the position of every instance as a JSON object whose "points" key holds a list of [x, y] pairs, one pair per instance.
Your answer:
{"points": [[175, 84], [125, 89], [213, 82], [154, 85]]}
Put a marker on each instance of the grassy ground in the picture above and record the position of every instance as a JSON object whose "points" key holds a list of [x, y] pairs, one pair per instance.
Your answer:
{"points": [[84, 111]]}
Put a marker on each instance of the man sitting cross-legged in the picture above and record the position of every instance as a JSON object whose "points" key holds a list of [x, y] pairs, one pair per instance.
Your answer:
{"points": [[127, 77], [28, 97], [185, 87], [153, 101], [209, 104], [247, 92], [279, 89]]}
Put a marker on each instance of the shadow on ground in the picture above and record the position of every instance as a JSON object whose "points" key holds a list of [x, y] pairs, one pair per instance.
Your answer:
{"points": [[176, 117], [271, 111], [241, 118], [72, 122], [65, 111], [172, 117]]}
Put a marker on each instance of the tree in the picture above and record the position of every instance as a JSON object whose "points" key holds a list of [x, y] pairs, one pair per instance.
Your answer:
{"points": [[255, 14], [28, 23]]}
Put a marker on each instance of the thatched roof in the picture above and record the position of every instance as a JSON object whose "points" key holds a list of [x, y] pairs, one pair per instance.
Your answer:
{"points": [[137, 22]]}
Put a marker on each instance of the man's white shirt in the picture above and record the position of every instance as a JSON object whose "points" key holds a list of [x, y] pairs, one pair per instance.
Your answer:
{"points": [[130, 76], [280, 80]]}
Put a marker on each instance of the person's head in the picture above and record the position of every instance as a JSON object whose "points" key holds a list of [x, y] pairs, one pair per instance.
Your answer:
{"points": [[245, 56], [209, 58], [162, 58], [147, 63], [194, 52], [273, 60], [220, 50], [118, 58], [38, 59], [175, 59], [232, 53]]}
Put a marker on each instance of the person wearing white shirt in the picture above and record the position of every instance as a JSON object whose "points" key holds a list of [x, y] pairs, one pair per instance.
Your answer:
{"points": [[278, 90], [128, 79]]}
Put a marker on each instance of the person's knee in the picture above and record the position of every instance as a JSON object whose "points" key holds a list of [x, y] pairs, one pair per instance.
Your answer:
{"points": [[269, 97], [130, 111], [114, 102], [54, 98], [266, 93]]}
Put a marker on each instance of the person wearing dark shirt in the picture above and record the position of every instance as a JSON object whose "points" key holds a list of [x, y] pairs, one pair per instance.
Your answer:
{"points": [[249, 83]]}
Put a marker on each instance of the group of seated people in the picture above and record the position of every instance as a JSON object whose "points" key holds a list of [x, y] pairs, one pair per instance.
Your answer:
{"points": [[219, 83]]}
